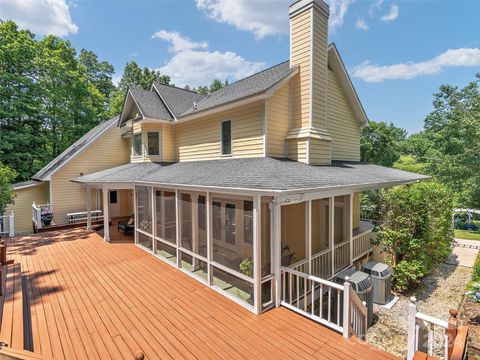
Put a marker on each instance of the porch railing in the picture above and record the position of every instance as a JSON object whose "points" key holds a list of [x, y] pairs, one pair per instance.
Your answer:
{"points": [[361, 244], [7, 225], [341, 256], [322, 264], [37, 213], [333, 305]]}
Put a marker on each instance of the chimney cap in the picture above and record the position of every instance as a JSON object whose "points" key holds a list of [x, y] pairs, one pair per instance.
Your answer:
{"points": [[299, 6]]}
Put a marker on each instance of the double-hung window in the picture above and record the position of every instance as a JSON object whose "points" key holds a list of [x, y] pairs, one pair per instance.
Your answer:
{"points": [[153, 143], [227, 138], [137, 144]]}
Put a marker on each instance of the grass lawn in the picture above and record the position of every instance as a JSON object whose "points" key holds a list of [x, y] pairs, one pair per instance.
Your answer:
{"points": [[466, 234]]}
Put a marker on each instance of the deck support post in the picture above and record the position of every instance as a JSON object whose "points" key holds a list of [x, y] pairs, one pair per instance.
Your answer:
{"points": [[106, 222], [412, 329], [257, 257], [89, 208], [277, 250], [346, 308]]}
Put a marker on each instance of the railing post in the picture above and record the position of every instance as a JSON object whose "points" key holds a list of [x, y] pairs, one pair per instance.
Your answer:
{"points": [[452, 331], [411, 343], [11, 227], [346, 308]]}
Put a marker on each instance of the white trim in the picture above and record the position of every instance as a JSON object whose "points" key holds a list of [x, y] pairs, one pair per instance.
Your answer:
{"points": [[308, 150], [311, 67], [265, 127], [164, 102], [257, 254]]}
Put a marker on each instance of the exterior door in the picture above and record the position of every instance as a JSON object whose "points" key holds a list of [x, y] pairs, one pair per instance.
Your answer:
{"points": [[114, 203]]}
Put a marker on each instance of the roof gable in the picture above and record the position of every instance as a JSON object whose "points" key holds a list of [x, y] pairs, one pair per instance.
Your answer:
{"points": [[148, 103], [74, 149], [336, 64], [176, 99]]}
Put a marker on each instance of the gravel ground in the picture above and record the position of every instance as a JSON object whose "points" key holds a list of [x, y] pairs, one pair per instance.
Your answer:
{"points": [[440, 291]]}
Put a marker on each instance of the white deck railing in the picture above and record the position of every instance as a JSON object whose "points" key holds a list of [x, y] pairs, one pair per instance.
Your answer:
{"points": [[361, 244], [421, 333], [81, 216], [7, 225], [341, 256], [322, 264], [37, 213], [328, 303]]}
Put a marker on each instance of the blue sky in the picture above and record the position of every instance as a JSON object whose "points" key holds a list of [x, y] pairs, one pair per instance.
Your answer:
{"points": [[397, 52]]}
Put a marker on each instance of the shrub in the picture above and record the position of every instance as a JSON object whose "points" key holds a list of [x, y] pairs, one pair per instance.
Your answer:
{"points": [[415, 229]]}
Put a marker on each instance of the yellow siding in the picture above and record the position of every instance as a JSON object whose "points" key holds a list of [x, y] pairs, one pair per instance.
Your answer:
{"points": [[319, 68], [22, 208], [319, 152], [200, 139], [168, 137], [278, 113], [356, 210], [297, 149], [106, 152], [342, 125], [301, 56], [293, 232]]}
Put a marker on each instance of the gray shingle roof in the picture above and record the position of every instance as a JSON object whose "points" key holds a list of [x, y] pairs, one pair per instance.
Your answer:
{"points": [[150, 104], [26, 184], [261, 174], [178, 100], [73, 149], [252, 85]]}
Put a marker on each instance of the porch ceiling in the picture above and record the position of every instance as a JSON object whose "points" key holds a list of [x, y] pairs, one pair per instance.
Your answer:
{"points": [[264, 174]]}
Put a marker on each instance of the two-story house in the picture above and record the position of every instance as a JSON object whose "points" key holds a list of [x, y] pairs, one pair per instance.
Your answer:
{"points": [[252, 189]]}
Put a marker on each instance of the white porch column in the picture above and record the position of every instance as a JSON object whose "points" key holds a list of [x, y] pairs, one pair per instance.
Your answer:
{"points": [[106, 222], [208, 204], [277, 250], [194, 227], [331, 225], [350, 225], [257, 254], [178, 225], [308, 220], [154, 221], [11, 227], [89, 208]]}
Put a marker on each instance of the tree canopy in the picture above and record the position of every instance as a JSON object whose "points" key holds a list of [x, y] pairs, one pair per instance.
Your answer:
{"points": [[7, 194]]}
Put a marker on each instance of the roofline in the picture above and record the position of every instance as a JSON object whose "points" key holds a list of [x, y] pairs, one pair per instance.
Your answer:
{"points": [[364, 118], [35, 183], [164, 102], [173, 86], [92, 141], [261, 95]]}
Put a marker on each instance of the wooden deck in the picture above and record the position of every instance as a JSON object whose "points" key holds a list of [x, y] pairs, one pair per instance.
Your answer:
{"points": [[72, 296]]}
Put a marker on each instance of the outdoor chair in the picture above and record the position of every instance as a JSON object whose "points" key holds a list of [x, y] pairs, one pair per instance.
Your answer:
{"points": [[127, 226]]}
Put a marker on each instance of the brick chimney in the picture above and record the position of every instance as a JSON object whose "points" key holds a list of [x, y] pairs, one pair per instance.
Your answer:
{"points": [[308, 139]]}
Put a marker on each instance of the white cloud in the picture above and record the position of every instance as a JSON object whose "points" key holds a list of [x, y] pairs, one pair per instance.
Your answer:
{"points": [[262, 18], [463, 57], [196, 68], [338, 9], [392, 15], [179, 42], [361, 24], [193, 64], [43, 17], [266, 17], [374, 6]]}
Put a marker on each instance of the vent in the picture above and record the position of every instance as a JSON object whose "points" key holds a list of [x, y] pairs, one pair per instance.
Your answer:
{"points": [[195, 105]]}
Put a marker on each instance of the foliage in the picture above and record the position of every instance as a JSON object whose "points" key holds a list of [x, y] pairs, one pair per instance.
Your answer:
{"points": [[473, 286], [246, 267], [381, 143], [49, 97], [134, 76], [414, 229], [409, 163], [7, 194], [454, 127]]}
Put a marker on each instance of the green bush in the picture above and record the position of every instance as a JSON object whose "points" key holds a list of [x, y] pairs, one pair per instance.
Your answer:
{"points": [[414, 229]]}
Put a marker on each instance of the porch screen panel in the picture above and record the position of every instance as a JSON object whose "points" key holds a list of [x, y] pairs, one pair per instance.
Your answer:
{"points": [[232, 232], [165, 208], [294, 238], [145, 241], [186, 234], [144, 208], [341, 218], [320, 225]]}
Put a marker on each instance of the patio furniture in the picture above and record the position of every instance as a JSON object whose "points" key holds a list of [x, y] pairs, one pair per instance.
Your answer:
{"points": [[127, 226]]}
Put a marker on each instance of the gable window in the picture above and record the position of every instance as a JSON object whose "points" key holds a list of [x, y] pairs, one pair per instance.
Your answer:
{"points": [[153, 143], [227, 138], [137, 144]]}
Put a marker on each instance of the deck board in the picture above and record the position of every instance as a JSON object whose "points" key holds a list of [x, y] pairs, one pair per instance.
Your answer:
{"points": [[93, 300]]}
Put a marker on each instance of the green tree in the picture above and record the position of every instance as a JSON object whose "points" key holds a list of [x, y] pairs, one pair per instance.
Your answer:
{"points": [[381, 143], [216, 85], [134, 76], [21, 141], [7, 195], [454, 127], [414, 229]]}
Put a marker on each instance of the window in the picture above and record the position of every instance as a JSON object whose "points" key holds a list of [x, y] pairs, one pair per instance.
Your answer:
{"points": [[153, 143], [227, 138], [137, 144], [113, 197]]}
